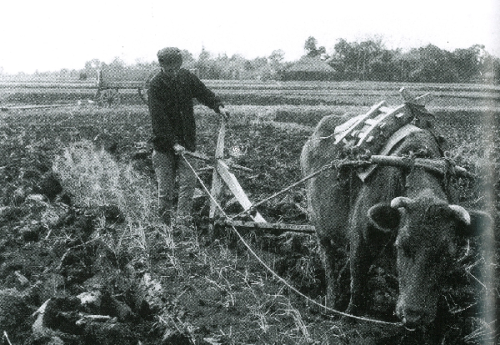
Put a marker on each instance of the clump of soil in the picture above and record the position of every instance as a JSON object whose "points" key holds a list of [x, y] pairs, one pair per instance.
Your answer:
{"points": [[77, 275]]}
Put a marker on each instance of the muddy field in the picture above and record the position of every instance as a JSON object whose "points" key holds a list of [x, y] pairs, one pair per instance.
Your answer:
{"points": [[84, 260]]}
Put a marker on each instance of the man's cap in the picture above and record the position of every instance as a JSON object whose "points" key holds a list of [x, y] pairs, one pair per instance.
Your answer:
{"points": [[169, 55]]}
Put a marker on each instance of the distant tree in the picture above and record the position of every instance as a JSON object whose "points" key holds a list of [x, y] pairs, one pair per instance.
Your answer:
{"points": [[368, 52], [468, 62], [490, 69], [248, 65], [277, 57], [204, 55], [310, 46], [115, 70], [206, 66], [343, 49], [223, 67], [92, 66], [341, 58], [236, 68], [384, 66], [64, 73], [259, 62], [117, 64], [355, 60], [431, 64], [276, 64]]}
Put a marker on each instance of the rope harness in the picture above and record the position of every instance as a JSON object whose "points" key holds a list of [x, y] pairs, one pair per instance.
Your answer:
{"points": [[270, 270], [443, 166]]}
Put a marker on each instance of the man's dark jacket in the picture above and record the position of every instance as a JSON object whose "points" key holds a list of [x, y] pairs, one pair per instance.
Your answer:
{"points": [[171, 109]]}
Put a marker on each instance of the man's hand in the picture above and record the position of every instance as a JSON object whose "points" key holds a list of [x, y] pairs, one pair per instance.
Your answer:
{"points": [[224, 113], [179, 149]]}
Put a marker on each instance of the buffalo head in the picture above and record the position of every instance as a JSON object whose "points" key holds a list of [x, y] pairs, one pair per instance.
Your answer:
{"points": [[426, 243]]}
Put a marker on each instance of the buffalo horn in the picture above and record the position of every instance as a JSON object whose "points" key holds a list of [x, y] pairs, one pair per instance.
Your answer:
{"points": [[400, 201], [461, 213]]}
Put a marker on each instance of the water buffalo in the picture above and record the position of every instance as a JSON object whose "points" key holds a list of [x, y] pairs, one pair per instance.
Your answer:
{"points": [[412, 204]]}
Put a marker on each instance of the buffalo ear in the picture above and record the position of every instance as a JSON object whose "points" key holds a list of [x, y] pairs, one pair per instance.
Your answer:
{"points": [[480, 224], [384, 217]]}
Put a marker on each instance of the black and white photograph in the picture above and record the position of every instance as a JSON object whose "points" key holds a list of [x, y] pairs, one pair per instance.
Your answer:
{"points": [[235, 173]]}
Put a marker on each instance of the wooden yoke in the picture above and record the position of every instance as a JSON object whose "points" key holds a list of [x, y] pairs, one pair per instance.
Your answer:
{"points": [[371, 130]]}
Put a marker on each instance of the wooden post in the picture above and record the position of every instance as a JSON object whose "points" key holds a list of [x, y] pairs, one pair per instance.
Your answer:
{"points": [[221, 175], [216, 179]]}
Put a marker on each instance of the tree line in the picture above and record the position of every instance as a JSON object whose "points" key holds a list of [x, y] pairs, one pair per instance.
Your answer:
{"points": [[370, 60], [365, 60], [357, 60]]}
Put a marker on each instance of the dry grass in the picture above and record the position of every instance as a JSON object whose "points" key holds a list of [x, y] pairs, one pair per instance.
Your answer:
{"points": [[94, 178]]}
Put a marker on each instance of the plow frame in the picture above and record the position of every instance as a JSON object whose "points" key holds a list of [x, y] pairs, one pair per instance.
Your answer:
{"points": [[223, 177]]}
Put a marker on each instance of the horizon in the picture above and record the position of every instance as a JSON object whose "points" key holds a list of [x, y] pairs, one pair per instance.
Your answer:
{"points": [[212, 55], [56, 35]]}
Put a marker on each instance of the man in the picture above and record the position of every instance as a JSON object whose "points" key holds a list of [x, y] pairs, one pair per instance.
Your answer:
{"points": [[170, 98]]}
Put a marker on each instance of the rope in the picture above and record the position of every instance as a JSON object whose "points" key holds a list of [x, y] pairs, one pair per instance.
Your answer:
{"points": [[449, 168], [293, 185], [270, 270]]}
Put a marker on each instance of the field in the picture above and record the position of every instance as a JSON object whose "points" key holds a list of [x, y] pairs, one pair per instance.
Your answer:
{"points": [[78, 218], [446, 96]]}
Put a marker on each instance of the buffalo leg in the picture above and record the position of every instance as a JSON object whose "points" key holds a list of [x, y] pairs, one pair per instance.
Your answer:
{"points": [[359, 266], [330, 199], [334, 254], [329, 263]]}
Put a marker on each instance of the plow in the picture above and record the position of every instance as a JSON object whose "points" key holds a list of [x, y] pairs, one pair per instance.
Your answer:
{"points": [[366, 140]]}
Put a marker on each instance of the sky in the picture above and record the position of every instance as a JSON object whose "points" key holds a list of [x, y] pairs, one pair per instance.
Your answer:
{"points": [[53, 34]]}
